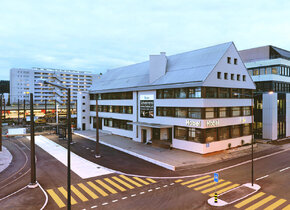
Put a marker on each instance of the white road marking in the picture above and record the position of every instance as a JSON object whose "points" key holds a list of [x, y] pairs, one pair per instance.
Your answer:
{"points": [[165, 185], [157, 188], [105, 204], [124, 198], [133, 195], [142, 193], [262, 177], [172, 184], [284, 169], [94, 207], [114, 201], [150, 190]]}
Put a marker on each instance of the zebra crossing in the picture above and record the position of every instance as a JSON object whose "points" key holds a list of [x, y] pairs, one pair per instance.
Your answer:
{"points": [[206, 185], [83, 192]]}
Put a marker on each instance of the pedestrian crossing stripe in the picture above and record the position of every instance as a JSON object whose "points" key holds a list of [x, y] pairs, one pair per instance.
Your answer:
{"points": [[215, 187], [207, 185], [199, 183], [262, 202], [56, 198], [287, 207], [248, 200], [94, 189], [194, 180], [224, 189], [179, 180]]}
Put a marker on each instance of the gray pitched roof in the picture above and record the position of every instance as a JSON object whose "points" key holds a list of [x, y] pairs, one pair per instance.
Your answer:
{"points": [[187, 67]]}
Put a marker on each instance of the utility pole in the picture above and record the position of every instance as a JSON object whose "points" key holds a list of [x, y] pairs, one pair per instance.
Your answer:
{"points": [[4, 108], [97, 155], [18, 112], [33, 183], [24, 112], [68, 150]]}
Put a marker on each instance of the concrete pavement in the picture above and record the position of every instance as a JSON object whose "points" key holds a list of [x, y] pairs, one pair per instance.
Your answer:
{"points": [[171, 159], [5, 158]]}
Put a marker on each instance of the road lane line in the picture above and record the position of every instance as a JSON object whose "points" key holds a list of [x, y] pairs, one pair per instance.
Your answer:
{"points": [[142, 193], [133, 195], [262, 177], [88, 191], [124, 198], [151, 180], [262, 202], [171, 183], [225, 189], [149, 190], [215, 187], [284, 169], [157, 188], [114, 201], [106, 186], [94, 207], [207, 185], [99, 190], [165, 185], [78, 193], [199, 183], [179, 180], [141, 180], [276, 204], [248, 200], [123, 183], [130, 180], [115, 184], [105, 204], [64, 193], [55, 197], [195, 180]]}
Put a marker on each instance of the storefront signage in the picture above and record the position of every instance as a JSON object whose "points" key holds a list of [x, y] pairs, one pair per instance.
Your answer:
{"points": [[147, 106], [243, 120], [212, 123], [193, 123]]}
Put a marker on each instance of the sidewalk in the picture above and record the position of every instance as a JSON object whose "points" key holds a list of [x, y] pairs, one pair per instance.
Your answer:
{"points": [[171, 159], [5, 158]]}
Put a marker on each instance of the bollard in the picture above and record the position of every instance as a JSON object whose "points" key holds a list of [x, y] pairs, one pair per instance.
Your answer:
{"points": [[215, 197]]}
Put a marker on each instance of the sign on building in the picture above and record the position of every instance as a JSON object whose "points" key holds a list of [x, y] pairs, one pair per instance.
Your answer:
{"points": [[147, 106]]}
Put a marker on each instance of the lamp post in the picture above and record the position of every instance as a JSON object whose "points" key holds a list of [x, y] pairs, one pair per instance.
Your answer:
{"points": [[97, 155], [69, 137]]}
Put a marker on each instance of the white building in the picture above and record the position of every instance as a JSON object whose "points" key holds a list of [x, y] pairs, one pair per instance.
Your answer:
{"points": [[269, 67], [23, 82], [186, 101]]}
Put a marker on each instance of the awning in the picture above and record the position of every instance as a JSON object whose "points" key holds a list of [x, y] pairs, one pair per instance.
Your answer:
{"points": [[151, 125]]}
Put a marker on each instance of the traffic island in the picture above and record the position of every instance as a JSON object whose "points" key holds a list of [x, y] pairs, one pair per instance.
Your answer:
{"points": [[234, 195]]}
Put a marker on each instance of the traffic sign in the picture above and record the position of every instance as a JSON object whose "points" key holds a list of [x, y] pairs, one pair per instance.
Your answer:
{"points": [[216, 177]]}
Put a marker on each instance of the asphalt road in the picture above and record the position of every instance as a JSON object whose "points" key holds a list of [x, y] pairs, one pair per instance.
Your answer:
{"points": [[162, 194]]}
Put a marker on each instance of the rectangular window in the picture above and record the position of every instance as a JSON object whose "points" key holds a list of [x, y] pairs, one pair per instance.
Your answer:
{"points": [[224, 93], [244, 77], [232, 76], [224, 133], [268, 70], [225, 75], [247, 129], [210, 135], [180, 112], [194, 113], [194, 92], [262, 71], [235, 61], [256, 72], [236, 111], [246, 111], [211, 92], [238, 77], [180, 133], [168, 93], [236, 131], [229, 59], [159, 94], [180, 93], [223, 112], [167, 111], [274, 70], [250, 72], [191, 134], [209, 113], [219, 75]]}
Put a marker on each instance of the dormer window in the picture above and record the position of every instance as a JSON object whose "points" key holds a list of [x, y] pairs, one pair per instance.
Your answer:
{"points": [[236, 61], [229, 60]]}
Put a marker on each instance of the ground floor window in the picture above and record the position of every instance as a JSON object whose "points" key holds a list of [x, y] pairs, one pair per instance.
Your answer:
{"points": [[116, 123]]}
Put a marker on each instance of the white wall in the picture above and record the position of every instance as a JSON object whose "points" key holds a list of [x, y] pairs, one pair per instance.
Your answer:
{"points": [[83, 103], [287, 114], [270, 116]]}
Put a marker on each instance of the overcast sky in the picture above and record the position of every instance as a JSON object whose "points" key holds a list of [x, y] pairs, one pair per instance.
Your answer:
{"points": [[97, 35]]}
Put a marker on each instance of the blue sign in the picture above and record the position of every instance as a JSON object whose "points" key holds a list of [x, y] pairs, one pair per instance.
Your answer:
{"points": [[216, 177]]}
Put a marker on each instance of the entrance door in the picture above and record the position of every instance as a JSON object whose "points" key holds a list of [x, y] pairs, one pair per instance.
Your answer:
{"points": [[100, 124], [170, 134], [144, 135], [156, 134], [84, 126]]}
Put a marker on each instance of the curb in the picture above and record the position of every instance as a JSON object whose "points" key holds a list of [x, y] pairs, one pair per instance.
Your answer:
{"points": [[151, 160]]}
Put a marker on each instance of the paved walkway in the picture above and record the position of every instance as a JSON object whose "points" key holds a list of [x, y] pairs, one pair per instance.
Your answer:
{"points": [[5, 158], [171, 159]]}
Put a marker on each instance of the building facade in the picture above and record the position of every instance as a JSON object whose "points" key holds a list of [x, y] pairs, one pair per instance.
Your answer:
{"points": [[197, 101], [23, 82], [269, 67]]}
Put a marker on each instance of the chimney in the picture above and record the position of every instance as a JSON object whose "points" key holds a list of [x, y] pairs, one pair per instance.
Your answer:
{"points": [[157, 66]]}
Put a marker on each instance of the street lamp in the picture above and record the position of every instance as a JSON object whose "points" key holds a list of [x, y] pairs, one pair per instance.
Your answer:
{"points": [[69, 137]]}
